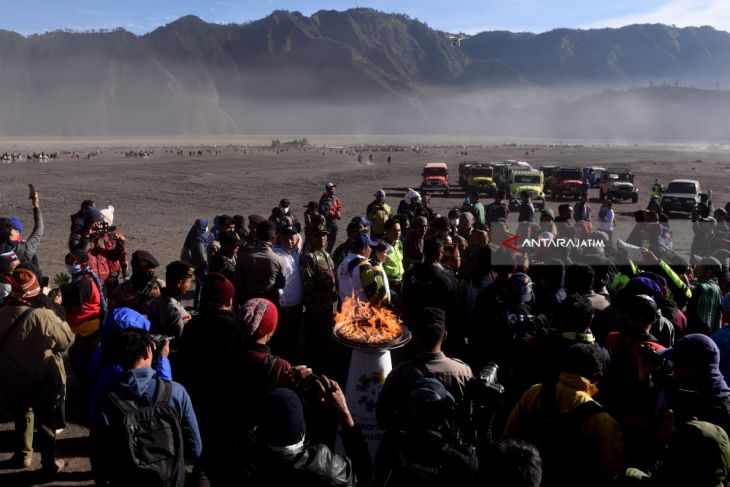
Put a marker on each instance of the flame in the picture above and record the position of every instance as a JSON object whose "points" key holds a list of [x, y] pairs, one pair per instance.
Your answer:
{"points": [[359, 321]]}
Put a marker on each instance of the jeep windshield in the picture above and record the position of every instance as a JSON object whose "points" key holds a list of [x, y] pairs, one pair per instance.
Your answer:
{"points": [[527, 179], [622, 176], [485, 172], [570, 174], [682, 188], [434, 172]]}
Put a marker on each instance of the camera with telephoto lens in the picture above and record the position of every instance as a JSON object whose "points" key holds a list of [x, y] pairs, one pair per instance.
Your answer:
{"points": [[482, 397]]}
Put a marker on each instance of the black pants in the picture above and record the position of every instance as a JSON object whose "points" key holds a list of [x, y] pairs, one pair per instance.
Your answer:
{"points": [[331, 238]]}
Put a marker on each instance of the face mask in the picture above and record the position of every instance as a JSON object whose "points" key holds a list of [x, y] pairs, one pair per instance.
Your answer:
{"points": [[285, 210], [73, 269], [454, 222]]}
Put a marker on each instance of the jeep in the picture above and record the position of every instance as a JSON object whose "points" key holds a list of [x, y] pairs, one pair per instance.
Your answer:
{"points": [[435, 178], [479, 177], [566, 181], [681, 196], [621, 186], [530, 180], [594, 175]]}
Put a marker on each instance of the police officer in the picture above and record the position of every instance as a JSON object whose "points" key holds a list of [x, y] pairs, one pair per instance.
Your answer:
{"points": [[320, 295]]}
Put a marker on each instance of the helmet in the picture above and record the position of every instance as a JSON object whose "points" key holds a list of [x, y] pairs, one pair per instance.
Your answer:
{"points": [[411, 195]]}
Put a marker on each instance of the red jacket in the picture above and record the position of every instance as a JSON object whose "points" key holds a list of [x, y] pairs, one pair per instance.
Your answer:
{"points": [[81, 300], [105, 258]]}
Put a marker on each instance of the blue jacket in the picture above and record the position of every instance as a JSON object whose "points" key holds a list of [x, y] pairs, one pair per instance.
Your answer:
{"points": [[138, 383], [101, 374]]}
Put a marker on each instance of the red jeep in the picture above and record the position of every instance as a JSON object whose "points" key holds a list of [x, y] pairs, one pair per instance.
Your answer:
{"points": [[566, 182], [435, 178]]}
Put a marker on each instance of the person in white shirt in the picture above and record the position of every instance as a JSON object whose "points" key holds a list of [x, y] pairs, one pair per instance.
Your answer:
{"points": [[284, 342]]}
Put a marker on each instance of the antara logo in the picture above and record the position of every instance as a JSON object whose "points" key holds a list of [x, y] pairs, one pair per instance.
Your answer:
{"points": [[541, 243]]}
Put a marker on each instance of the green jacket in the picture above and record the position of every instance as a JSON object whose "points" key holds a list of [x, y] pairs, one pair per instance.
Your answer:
{"points": [[377, 215], [31, 367], [393, 264], [318, 279]]}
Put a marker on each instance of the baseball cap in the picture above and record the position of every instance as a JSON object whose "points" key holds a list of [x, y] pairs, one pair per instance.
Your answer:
{"points": [[696, 349], [288, 229], [284, 203], [361, 220], [329, 185], [380, 192], [362, 240], [311, 204]]}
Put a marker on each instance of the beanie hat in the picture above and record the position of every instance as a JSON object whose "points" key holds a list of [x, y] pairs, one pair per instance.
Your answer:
{"points": [[24, 284], [108, 214], [283, 423], [431, 391], [16, 223], [217, 290], [582, 359], [258, 317]]}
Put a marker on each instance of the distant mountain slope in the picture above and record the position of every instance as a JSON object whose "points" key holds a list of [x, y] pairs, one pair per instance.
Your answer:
{"points": [[354, 71]]}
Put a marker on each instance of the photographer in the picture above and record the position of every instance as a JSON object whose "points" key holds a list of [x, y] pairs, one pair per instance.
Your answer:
{"points": [[425, 452], [105, 246], [142, 288]]}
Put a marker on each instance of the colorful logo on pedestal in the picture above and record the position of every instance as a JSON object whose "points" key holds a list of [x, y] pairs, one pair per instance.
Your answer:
{"points": [[369, 385]]}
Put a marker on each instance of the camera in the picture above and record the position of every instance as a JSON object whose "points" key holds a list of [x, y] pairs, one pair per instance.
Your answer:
{"points": [[159, 340], [650, 354], [482, 398]]}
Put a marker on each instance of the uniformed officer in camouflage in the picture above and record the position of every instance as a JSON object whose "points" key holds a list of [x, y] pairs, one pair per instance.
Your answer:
{"points": [[320, 296]]}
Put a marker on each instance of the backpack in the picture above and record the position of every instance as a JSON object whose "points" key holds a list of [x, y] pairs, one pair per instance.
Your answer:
{"points": [[144, 445], [565, 453]]}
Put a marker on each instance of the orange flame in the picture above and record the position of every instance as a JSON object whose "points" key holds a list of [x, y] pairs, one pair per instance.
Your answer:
{"points": [[359, 321]]}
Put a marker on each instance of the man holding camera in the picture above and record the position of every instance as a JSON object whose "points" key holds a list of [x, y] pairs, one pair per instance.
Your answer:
{"points": [[142, 288], [167, 313], [105, 246]]}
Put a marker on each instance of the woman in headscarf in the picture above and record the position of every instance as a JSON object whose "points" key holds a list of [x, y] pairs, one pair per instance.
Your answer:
{"points": [[194, 252]]}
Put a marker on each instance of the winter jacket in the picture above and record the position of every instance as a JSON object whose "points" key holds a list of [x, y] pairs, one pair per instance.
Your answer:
{"points": [[378, 214], [259, 273], [105, 256], [27, 248], [167, 315], [331, 208], [316, 464], [601, 432], [31, 367], [81, 299], [194, 249]]}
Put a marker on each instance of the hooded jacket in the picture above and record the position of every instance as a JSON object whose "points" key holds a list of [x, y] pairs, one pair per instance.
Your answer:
{"points": [[101, 373], [138, 386], [194, 249], [31, 367]]}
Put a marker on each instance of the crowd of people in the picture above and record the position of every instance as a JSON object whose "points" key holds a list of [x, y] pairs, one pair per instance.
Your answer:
{"points": [[573, 366]]}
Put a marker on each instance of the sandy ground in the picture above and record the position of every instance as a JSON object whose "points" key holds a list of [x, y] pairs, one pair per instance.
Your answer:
{"points": [[157, 199]]}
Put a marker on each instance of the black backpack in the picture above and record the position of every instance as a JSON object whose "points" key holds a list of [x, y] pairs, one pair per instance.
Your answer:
{"points": [[144, 445]]}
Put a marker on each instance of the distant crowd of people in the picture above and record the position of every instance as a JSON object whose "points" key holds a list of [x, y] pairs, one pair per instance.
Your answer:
{"points": [[569, 366]]}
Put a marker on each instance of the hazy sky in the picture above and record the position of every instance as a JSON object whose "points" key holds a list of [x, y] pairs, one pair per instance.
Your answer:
{"points": [[141, 16]]}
